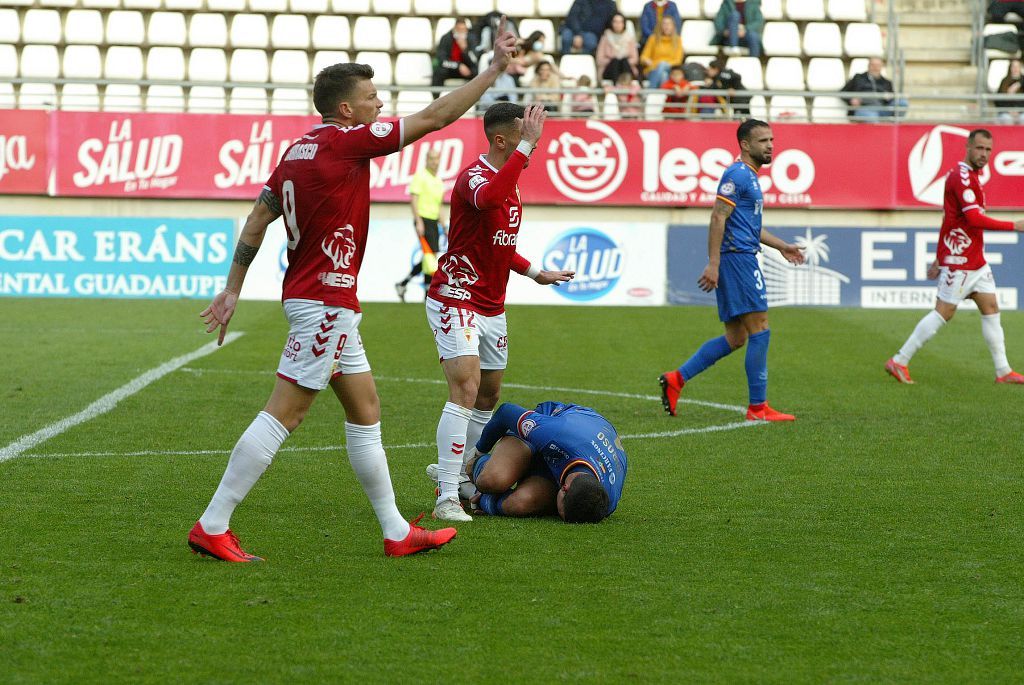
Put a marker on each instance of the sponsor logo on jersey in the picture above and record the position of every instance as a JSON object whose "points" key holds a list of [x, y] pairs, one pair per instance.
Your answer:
{"points": [[459, 270], [956, 241], [476, 181], [590, 167], [504, 238], [381, 128], [340, 246], [728, 188], [597, 260], [14, 155], [514, 216]]}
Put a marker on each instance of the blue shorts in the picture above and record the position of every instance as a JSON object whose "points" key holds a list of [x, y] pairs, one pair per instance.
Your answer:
{"points": [[740, 286]]}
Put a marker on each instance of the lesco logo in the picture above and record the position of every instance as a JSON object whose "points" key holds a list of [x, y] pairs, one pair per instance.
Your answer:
{"points": [[928, 162], [591, 168], [597, 260]]}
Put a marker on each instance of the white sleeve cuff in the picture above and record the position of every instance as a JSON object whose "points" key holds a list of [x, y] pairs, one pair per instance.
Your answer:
{"points": [[525, 147], [533, 271]]}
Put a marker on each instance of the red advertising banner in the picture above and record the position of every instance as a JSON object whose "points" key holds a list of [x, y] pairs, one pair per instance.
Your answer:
{"points": [[23, 146], [630, 163]]}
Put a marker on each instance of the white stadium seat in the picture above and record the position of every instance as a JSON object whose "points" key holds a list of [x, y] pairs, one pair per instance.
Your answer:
{"points": [[290, 31], [381, 64], [332, 33], [248, 65], [206, 99], [53, 3], [102, 4], [207, 64], [308, 6], [863, 40], [208, 31], [326, 58], [688, 9], [473, 8], [268, 7], [654, 106], [8, 62], [993, 29], [825, 108], [749, 69], [225, 6], [432, 8], [847, 10], [123, 62], [356, 7], [394, 7], [41, 26], [249, 31], [443, 26], [515, 8], [787, 108], [807, 10], [37, 96], [825, 73], [10, 26], [545, 26], [167, 28], [194, 5], [610, 107], [771, 10], [996, 73], [122, 97], [289, 66], [39, 61], [413, 34], [164, 98], [858, 66], [711, 8], [823, 39], [290, 101], [80, 97], [784, 73], [412, 101], [697, 35], [246, 100], [165, 64], [125, 27], [574, 66], [413, 69], [371, 33], [82, 61], [781, 38], [141, 4], [553, 8], [7, 98], [83, 27]]}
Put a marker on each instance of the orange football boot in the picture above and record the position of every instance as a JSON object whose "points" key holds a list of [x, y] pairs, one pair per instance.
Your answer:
{"points": [[224, 546], [671, 385], [1012, 378], [899, 372], [762, 412], [418, 540]]}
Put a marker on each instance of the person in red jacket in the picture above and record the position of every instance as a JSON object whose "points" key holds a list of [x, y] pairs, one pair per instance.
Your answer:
{"points": [[960, 264]]}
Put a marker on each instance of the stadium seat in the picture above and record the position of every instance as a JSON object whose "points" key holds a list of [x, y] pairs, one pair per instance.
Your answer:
{"points": [[516, 8], [787, 108], [122, 97], [443, 26], [165, 64], [371, 33], [10, 26], [268, 7], [413, 34], [997, 70], [825, 73], [412, 101], [80, 97], [697, 35], [249, 31], [247, 100], [39, 61], [749, 69], [326, 58], [289, 66], [8, 62], [807, 10], [654, 106], [102, 4], [388, 108], [574, 66], [781, 38], [632, 9], [315, 7], [398, 8], [381, 64], [825, 108], [141, 4], [290, 101], [433, 8], [206, 99], [41, 26], [771, 10], [995, 29], [8, 100], [125, 27], [161, 98], [332, 33], [225, 5], [552, 8], [847, 10], [207, 64], [784, 73], [545, 26], [859, 66], [823, 39], [711, 8], [354, 7], [192, 5], [83, 27], [167, 28], [123, 62], [208, 31], [413, 69], [82, 61], [290, 31], [610, 107], [249, 66], [51, 3], [863, 40], [37, 96]]}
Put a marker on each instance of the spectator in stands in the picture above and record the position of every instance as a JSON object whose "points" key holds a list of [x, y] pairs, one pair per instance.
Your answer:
{"points": [[627, 92], [721, 77], [678, 99], [617, 52], [454, 57], [651, 16], [871, 94], [661, 51], [582, 102], [503, 90], [586, 22], [1012, 84], [484, 30], [739, 23], [529, 52], [547, 77], [998, 9]]}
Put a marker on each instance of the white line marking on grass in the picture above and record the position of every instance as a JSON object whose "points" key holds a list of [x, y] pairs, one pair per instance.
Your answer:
{"points": [[108, 401], [224, 452]]}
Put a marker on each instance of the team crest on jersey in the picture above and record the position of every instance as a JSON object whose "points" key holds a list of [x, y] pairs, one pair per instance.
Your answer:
{"points": [[728, 188], [381, 128], [476, 181], [459, 270], [957, 241], [340, 246], [527, 426], [969, 195]]}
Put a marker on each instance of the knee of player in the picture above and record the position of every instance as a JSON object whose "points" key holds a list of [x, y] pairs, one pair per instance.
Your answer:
{"points": [[737, 341], [494, 480], [521, 506]]}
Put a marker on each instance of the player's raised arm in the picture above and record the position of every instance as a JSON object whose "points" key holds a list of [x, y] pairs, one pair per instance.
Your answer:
{"points": [[722, 210], [450, 107], [792, 253], [220, 311]]}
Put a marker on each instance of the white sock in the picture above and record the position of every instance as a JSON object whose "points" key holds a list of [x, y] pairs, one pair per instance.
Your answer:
{"points": [[252, 455], [477, 422], [923, 332], [992, 330], [368, 460], [451, 446]]}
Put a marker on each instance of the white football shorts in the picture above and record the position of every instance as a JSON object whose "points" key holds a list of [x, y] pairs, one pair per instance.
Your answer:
{"points": [[956, 285], [323, 342], [460, 332]]}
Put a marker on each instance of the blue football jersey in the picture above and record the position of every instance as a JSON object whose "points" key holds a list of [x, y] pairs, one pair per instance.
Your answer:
{"points": [[565, 436], [739, 187]]}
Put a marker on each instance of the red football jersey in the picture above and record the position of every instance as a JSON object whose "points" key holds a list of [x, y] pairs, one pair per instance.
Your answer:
{"points": [[961, 246], [486, 212], [323, 186]]}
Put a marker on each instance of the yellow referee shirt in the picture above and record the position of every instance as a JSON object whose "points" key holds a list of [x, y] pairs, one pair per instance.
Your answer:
{"points": [[429, 192]]}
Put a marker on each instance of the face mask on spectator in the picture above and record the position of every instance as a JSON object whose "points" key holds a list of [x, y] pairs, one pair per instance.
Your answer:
{"points": [[538, 45]]}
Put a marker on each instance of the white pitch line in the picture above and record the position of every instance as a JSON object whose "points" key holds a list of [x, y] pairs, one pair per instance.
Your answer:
{"points": [[108, 401]]}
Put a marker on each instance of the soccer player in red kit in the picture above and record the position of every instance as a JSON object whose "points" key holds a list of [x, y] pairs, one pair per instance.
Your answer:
{"points": [[466, 300], [960, 264], [321, 188]]}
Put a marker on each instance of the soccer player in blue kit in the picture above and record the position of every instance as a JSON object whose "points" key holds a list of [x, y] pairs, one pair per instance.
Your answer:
{"points": [[557, 458], [734, 239]]}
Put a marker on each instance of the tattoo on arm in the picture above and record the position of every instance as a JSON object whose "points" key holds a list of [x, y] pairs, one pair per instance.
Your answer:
{"points": [[244, 254], [722, 209], [270, 200]]}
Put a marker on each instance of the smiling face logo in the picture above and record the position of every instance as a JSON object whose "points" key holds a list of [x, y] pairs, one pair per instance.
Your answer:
{"points": [[932, 155], [588, 168], [340, 247]]}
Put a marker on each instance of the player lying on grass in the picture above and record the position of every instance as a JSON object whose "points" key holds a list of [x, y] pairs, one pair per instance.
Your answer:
{"points": [[558, 458]]}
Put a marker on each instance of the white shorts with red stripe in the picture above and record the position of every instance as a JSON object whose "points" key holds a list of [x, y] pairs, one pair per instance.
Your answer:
{"points": [[323, 342], [956, 285], [460, 332]]}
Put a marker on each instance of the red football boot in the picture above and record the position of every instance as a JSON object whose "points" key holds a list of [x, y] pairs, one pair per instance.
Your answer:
{"points": [[224, 546], [671, 385], [1012, 378], [762, 412], [418, 540], [900, 372]]}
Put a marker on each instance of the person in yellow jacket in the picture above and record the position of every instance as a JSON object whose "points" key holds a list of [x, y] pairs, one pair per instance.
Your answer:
{"points": [[662, 51], [426, 194]]}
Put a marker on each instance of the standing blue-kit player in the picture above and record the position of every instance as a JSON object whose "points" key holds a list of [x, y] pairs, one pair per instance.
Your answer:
{"points": [[557, 458], [734, 239]]}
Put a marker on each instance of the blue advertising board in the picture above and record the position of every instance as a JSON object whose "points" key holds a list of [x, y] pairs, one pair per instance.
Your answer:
{"points": [[848, 267], [71, 256]]}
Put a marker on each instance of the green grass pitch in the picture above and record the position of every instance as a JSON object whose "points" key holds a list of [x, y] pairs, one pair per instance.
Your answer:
{"points": [[879, 538]]}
